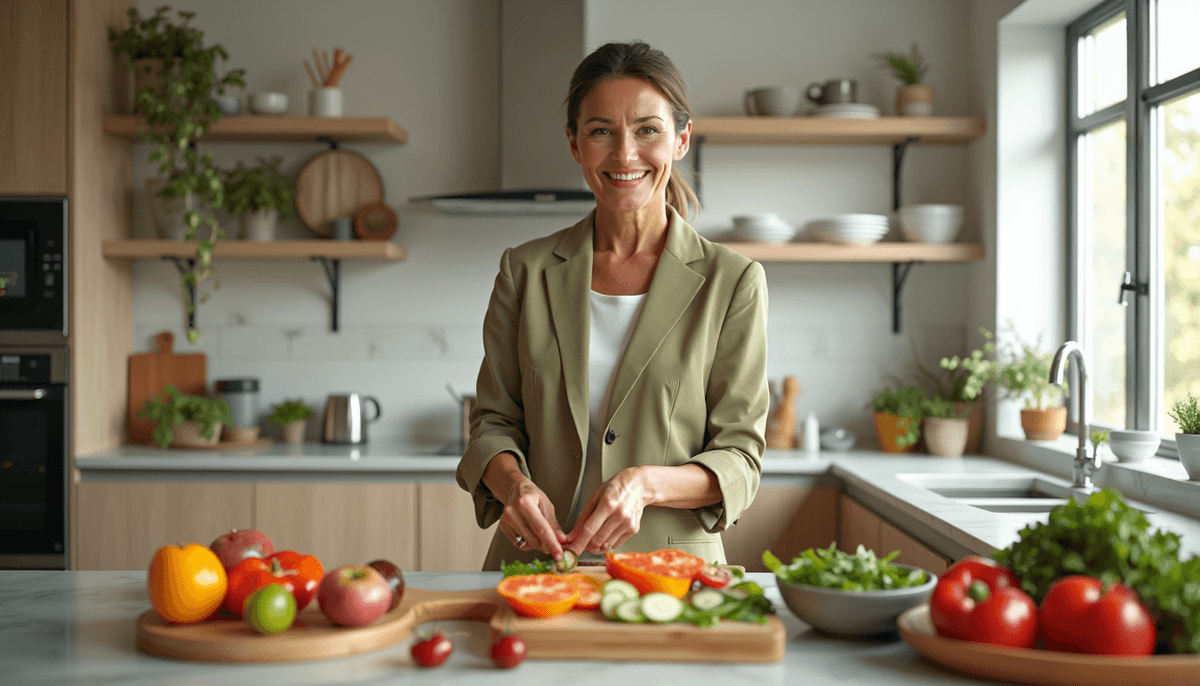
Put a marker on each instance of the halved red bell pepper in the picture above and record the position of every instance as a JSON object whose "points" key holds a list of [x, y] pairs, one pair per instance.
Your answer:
{"points": [[979, 600], [299, 574], [669, 571]]}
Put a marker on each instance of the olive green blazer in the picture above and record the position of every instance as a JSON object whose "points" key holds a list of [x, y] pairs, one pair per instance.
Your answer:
{"points": [[691, 387]]}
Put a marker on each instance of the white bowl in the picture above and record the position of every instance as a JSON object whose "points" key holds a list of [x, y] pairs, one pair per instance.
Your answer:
{"points": [[854, 613], [1133, 446], [269, 102], [931, 223]]}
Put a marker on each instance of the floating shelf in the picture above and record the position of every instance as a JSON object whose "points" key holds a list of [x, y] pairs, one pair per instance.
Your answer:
{"points": [[249, 128], [876, 252], [837, 131]]}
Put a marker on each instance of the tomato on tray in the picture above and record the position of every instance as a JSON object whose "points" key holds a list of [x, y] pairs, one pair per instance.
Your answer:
{"points": [[539, 595], [979, 600], [1081, 615], [668, 571], [299, 574]]}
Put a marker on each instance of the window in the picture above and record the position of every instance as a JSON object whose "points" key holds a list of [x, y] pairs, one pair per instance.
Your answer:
{"points": [[1134, 173]]}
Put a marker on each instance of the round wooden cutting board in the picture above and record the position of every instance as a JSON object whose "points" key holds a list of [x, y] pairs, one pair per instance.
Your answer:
{"points": [[333, 184]]}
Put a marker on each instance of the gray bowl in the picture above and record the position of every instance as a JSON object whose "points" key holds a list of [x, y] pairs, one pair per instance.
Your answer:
{"points": [[839, 440], [854, 613]]}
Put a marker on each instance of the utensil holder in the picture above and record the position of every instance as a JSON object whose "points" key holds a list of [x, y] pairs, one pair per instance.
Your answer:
{"points": [[325, 102]]}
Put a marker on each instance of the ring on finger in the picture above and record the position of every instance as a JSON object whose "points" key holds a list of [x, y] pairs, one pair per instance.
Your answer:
{"points": [[519, 540]]}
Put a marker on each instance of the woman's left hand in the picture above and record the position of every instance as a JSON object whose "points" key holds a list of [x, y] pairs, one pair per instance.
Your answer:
{"points": [[612, 515]]}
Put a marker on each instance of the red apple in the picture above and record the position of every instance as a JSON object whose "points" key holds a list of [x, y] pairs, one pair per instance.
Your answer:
{"points": [[354, 595], [394, 576], [239, 544]]}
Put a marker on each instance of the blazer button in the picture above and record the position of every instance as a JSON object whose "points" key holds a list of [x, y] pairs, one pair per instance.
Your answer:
{"points": [[610, 437]]}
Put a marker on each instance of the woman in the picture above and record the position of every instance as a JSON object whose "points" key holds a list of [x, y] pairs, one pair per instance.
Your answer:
{"points": [[622, 399]]}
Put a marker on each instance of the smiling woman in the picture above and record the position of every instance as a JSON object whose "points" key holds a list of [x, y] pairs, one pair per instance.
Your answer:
{"points": [[622, 400]]}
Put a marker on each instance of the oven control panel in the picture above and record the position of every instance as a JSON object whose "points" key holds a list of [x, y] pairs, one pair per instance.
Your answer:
{"points": [[24, 368]]}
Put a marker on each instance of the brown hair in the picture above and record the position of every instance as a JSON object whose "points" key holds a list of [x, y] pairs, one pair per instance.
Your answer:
{"points": [[640, 61]]}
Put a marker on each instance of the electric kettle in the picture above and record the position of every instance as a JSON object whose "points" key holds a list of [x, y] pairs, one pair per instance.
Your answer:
{"points": [[344, 418]]}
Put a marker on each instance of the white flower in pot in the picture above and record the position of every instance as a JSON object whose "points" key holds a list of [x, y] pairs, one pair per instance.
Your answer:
{"points": [[262, 196], [1186, 414]]}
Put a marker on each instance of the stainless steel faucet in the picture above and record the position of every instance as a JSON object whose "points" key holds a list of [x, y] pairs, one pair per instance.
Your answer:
{"points": [[1085, 466]]}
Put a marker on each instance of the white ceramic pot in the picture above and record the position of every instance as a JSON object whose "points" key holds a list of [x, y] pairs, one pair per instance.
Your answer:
{"points": [[168, 213], [945, 437], [293, 432], [1188, 446], [188, 434], [259, 225]]}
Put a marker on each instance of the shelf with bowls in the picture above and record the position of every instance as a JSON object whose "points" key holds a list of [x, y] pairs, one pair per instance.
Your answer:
{"points": [[875, 252], [264, 128]]}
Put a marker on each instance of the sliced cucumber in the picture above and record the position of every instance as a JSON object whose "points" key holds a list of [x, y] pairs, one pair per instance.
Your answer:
{"points": [[661, 607], [737, 593], [631, 611], [609, 603], [567, 563], [707, 599], [620, 586]]}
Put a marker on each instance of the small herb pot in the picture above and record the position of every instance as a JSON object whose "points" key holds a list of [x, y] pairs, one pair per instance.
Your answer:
{"points": [[1045, 424], [189, 435], [1188, 446], [945, 437], [889, 428]]}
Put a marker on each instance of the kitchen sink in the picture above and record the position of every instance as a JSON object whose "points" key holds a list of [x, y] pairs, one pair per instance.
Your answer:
{"points": [[1015, 494]]}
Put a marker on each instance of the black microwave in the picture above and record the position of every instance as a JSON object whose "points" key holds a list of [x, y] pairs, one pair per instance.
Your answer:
{"points": [[33, 263]]}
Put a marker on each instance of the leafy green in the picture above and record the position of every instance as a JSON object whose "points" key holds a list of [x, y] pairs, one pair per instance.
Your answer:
{"points": [[518, 568], [1107, 539], [832, 568], [755, 607], [172, 407]]}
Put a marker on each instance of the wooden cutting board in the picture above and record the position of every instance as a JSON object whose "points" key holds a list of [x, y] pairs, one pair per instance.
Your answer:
{"points": [[333, 184], [149, 372], [577, 635]]}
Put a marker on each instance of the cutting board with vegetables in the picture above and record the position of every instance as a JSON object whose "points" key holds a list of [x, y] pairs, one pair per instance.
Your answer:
{"points": [[149, 372]]}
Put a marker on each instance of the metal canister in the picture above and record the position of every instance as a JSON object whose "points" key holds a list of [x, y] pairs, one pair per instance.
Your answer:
{"points": [[242, 397]]}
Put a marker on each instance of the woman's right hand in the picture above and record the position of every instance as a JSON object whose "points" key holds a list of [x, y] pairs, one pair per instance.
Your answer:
{"points": [[528, 512]]}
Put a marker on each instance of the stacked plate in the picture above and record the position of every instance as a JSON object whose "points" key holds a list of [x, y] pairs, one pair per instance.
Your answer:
{"points": [[847, 110], [851, 229], [763, 227]]}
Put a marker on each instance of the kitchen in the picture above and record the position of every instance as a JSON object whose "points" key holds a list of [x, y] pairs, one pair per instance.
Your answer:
{"points": [[431, 66]]}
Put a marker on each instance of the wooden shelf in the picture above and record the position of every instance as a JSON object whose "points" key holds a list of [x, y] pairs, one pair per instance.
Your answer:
{"points": [[876, 252], [139, 249], [248, 128], [837, 131]]}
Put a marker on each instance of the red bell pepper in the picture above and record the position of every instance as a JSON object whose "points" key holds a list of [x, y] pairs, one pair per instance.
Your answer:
{"points": [[299, 574], [979, 600], [1080, 615]]}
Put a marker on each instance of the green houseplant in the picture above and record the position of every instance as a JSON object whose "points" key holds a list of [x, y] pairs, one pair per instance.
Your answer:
{"points": [[172, 409], [292, 416], [969, 376], [913, 98], [898, 414], [261, 196], [1024, 374], [1186, 414], [178, 108]]}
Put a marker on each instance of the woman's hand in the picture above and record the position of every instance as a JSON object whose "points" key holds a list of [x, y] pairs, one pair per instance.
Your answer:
{"points": [[613, 514], [529, 515]]}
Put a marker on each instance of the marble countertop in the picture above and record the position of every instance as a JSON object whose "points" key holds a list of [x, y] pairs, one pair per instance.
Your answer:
{"points": [[78, 627]]}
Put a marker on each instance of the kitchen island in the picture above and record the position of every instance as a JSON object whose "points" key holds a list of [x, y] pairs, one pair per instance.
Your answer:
{"points": [[78, 628]]}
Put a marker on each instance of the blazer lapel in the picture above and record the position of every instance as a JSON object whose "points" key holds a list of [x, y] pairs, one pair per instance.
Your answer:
{"points": [[567, 286]]}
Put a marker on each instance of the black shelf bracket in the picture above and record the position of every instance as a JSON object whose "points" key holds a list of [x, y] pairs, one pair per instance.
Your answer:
{"points": [[183, 266], [333, 272], [697, 179], [899, 275], [333, 145], [897, 161]]}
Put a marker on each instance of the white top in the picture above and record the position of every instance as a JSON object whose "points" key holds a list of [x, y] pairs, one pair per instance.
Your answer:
{"points": [[612, 320]]}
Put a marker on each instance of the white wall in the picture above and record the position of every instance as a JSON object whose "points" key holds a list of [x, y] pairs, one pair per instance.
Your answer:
{"points": [[410, 328]]}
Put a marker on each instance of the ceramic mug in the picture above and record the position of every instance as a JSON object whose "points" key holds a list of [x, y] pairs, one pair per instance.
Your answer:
{"points": [[834, 91], [772, 101]]}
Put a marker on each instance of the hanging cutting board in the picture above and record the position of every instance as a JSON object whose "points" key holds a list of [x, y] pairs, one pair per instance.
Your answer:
{"points": [[333, 184], [149, 372]]}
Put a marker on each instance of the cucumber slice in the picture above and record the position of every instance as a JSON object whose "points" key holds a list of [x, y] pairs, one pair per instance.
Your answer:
{"points": [[706, 599], [567, 563], [609, 603], [631, 611], [661, 607], [620, 586], [737, 593]]}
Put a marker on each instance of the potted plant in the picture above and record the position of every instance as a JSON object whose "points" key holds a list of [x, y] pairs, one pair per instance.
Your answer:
{"points": [[1025, 374], [186, 420], [969, 376], [1186, 414], [913, 99], [293, 416], [261, 196], [178, 108], [944, 430], [898, 415]]}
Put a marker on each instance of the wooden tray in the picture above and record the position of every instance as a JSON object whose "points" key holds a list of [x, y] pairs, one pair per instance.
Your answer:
{"points": [[577, 635], [333, 184], [1049, 667]]}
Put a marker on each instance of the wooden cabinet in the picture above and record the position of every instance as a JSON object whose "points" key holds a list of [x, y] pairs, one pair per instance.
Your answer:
{"points": [[451, 541], [912, 551], [784, 520], [35, 94], [857, 526], [122, 524], [860, 526]]}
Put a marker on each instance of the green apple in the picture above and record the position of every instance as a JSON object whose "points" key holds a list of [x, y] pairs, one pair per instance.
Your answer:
{"points": [[271, 609]]}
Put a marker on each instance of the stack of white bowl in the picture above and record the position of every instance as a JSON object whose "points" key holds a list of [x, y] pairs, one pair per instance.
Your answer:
{"points": [[763, 227], [851, 229], [931, 223]]}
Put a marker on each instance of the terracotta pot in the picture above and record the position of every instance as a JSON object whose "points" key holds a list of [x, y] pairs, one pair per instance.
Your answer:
{"points": [[945, 437], [293, 432], [889, 428], [1044, 425], [189, 434], [973, 410], [914, 100], [1188, 446]]}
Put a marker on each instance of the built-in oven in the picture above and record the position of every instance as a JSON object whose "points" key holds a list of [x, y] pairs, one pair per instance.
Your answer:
{"points": [[34, 459], [33, 268]]}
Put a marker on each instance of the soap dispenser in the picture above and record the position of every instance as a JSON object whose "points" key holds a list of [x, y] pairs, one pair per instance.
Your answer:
{"points": [[812, 434]]}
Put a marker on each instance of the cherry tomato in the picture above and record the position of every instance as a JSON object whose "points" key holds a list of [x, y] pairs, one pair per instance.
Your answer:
{"points": [[433, 651], [508, 652], [714, 577]]}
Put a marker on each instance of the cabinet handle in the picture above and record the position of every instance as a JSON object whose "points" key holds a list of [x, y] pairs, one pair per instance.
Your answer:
{"points": [[22, 393]]}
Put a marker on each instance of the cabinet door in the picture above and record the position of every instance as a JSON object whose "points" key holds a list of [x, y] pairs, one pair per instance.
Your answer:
{"points": [[341, 523], [912, 551], [122, 525], [858, 526], [784, 520], [33, 56], [451, 541]]}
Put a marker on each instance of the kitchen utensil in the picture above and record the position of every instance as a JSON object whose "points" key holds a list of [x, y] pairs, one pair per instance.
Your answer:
{"points": [[854, 613], [332, 184], [931, 223], [573, 636], [269, 102], [325, 102], [149, 372], [375, 221], [344, 418], [1036, 666], [772, 101], [833, 91]]}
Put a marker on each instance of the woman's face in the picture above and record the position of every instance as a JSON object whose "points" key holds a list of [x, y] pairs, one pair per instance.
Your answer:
{"points": [[626, 141]]}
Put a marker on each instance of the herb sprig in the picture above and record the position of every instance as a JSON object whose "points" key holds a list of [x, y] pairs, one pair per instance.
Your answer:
{"points": [[518, 568]]}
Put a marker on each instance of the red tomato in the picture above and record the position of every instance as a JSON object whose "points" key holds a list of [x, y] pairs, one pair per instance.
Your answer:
{"points": [[508, 652], [1079, 615], [433, 651], [715, 577], [979, 600], [539, 595], [299, 574]]}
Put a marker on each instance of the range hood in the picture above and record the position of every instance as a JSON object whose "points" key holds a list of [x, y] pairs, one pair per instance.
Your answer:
{"points": [[537, 174]]}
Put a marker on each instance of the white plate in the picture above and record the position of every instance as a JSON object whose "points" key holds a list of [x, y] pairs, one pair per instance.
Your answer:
{"points": [[850, 110]]}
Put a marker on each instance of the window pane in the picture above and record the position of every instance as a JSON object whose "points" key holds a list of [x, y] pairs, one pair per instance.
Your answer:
{"points": [[1177, 49], [1101, 66], [1102, 246], [1180, 211]]}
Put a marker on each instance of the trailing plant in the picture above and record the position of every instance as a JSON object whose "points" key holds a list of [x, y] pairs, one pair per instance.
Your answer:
{"points": [[263, 187], [290, 411], [177, 112], [1186, 414], [1024, 373], [908, 68], [172, 407]]}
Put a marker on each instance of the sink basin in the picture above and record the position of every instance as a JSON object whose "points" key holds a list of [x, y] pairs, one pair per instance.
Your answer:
{"points": [[1015, 494]]}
